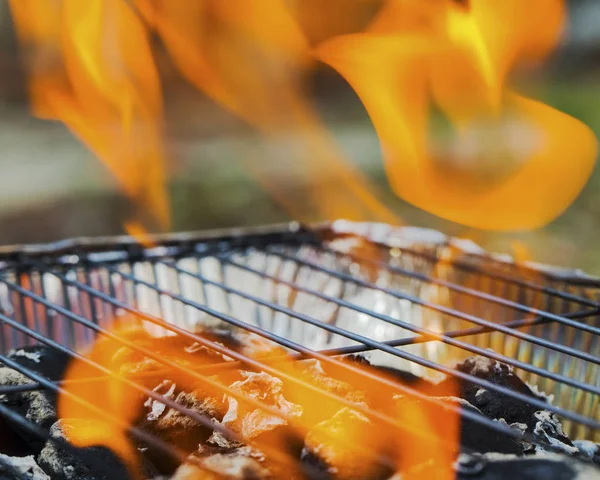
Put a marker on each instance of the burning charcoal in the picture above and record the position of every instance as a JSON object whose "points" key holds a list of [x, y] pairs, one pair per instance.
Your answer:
{"points": [[175, 427], [94, 463], [249, 421], [317, 411], [347, 446], [236, 464], [401, 376], [20, 468], [178, 349], [546, 466]]}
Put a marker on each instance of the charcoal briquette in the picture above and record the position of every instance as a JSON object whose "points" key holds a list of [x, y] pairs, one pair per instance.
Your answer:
{"points": [[92, 463], [37, 406]]}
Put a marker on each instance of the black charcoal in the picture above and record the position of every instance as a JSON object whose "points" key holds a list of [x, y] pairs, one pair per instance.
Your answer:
{"points": [[473, 434], [93, 463], [37, 406], [48, 362], [175, 427], [493, 404]]}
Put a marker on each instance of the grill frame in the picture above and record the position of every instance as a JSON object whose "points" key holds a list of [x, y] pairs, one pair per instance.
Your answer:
{"points": [[87, 253]]}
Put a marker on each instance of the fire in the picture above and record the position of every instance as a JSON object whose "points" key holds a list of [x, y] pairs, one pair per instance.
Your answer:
{"points": [[251, 58], [325, 405], [458, 142], [91, 67], [504, 162]]}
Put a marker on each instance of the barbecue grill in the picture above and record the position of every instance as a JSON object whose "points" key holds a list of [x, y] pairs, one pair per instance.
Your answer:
{"points": [[406, 298]]}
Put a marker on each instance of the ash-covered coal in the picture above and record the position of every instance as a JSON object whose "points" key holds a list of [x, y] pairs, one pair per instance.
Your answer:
{"points": [[94, 463], [38, 406], [176, 427], [543, 424], [238, 463]]}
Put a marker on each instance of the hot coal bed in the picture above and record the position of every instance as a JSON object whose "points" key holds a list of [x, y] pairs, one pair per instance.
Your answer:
{"points": [[525, 400]]}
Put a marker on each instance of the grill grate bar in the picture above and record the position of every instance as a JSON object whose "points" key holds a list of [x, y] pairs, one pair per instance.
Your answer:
{"points": [[220, 349], [353, 349], [374, 344], [426, 335], [53, 386], [521, 323], [495, 275], [316, 302], [475, 293], [312, 354], [205, 420], [453, 312]]}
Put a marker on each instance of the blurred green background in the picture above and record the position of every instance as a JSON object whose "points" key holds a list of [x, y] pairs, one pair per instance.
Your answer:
{"points": [[52, 188]]}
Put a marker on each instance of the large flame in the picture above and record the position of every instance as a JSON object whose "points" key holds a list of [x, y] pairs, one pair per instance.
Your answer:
{"points": [[326, 405], [503, 162], [90, 66], [251, 58]]}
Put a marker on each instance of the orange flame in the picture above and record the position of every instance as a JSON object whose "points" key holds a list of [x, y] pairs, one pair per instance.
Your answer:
{"points": [[90, 66], [508, 162], [250, 57], [326, 406]]}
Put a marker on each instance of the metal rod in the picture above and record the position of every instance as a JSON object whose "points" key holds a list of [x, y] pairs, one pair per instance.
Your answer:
{"points": [[469, 291], [378, 345], [429, 335], [451, 311]]}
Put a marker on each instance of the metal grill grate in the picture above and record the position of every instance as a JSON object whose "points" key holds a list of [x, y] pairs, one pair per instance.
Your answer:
{"points": [[413, 299]]}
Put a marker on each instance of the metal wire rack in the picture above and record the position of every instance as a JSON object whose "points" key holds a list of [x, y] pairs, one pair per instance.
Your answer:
{"points": [[410, 298]]}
